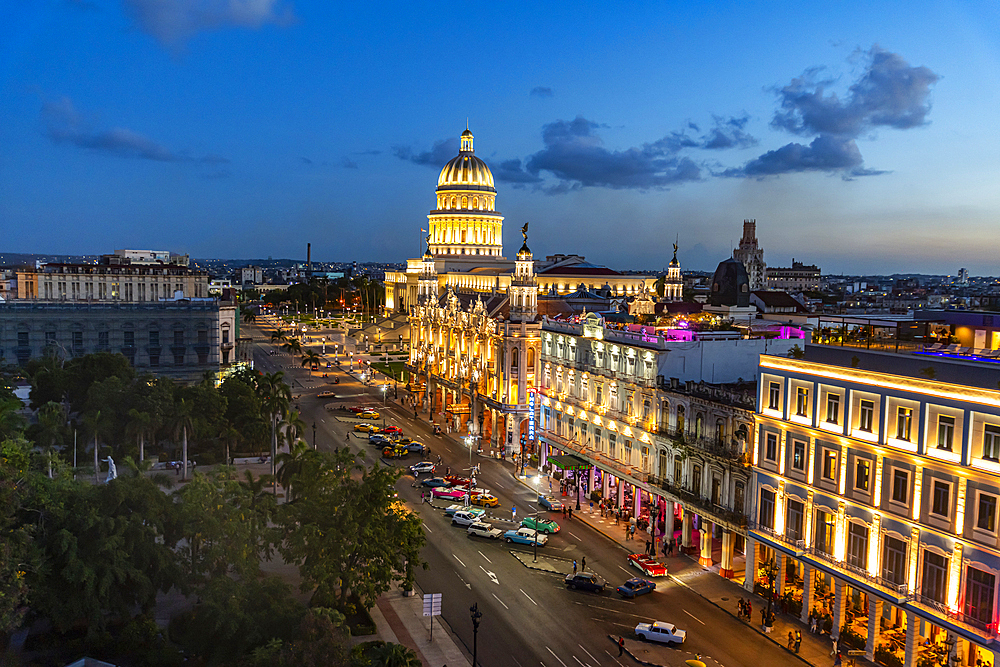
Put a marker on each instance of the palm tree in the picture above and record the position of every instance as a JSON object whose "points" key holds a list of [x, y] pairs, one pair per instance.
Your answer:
{"points": [[97, 424], [293, 463], [229, 435], [275, 397], [394, 655], [292, 346], [182, 423], [661, 285], [311, 358], [139, 424], [249, 315], [293, 426], [278, 337], [51, 429]]}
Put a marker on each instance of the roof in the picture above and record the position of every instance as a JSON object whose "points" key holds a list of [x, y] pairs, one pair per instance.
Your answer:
{"points": [[584, 269], [772, 299], [568, 462]]}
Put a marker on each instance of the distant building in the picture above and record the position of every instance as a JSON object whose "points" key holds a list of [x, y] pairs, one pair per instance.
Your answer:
{"points": [[751, 255], [963, 277], [796, 278], [148, 257], [251, 275], [772, 302]]}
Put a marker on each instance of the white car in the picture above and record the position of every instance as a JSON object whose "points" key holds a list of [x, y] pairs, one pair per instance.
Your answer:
{"points": [[326, 394], [423, 466], [482, 529], [458, 507], [464, 518], [659, 631]]}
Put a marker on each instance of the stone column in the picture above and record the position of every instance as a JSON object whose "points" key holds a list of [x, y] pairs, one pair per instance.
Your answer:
{"points": [[874, 621], [780, 561], [728, 545], [705, 541], [911, 638], [807, 586], [593, 478], [636, 500], [621, 492], [605, 484], [669, 519], [839, 603], [751, 563], [686, 528]]}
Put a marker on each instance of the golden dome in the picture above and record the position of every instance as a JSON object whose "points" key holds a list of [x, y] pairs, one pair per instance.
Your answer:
{"points": [[466, 171]]}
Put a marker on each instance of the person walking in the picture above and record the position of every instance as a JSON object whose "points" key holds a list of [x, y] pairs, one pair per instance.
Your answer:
{"points": [[570, 513], [834, 651], [621, 646], [583, 563], [574, 566], [798, 640], [791, 640]]}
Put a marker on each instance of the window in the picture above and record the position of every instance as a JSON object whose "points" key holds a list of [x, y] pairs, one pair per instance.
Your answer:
{"points": [[979, 587], [986, 513], [900, 486], [202, 336], [802, 402], [696, 481], [767, 508], [857, 545], [867, 416], [946, 431], [738, 497], [78, 340], [677, 470], [179, 359], [774, 396], [22, 339], [154, 338], [771, 447], [862, 474], [798, 455], [154, 360], [793, 526], [102, 340], [829, 464], [991, 442], [612, 445], [832, 408], [129, 339], [179, 337], [941, 498], [904, 421], [933, 582], [825, 532], [894, 560]]}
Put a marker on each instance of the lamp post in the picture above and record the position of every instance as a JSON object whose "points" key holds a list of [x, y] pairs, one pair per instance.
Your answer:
{"points": [[384, 387], [314, 435], [476, 616]]}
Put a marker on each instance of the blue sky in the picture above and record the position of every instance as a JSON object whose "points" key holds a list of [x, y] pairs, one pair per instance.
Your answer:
{"points": [[860, 136]]}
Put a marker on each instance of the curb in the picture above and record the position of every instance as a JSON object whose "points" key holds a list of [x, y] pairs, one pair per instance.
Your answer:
{"points": [[516, 554], [632, 655]]}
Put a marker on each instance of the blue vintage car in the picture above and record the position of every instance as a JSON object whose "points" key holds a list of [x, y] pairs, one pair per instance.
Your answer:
{"points": [[550, 503], [434, 482], [525, 536], [636, 586]]}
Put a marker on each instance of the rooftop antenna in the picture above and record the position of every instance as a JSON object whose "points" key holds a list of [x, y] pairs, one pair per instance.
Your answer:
{"points": [[467, 122]]}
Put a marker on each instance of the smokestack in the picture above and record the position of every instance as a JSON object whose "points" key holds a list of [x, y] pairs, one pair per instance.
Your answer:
{"points": [[309, 261]]}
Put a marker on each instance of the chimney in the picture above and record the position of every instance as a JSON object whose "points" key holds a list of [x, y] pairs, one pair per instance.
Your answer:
{"points": [[309, 261]]}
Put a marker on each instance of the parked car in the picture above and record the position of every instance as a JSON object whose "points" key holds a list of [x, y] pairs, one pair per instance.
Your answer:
{"points": [[482, 529], [434, 482], [423, 466], [586, 581], [456, 480], [550, 503], [648, 565], [464, 518], [414, 447], [525, 536], [485, 500], [365, 426], [378, 439], [451, 509], [659, 631], [635, 587], [392, 430], [546, 526], [370, 414], [448, 494], [394, 452]]}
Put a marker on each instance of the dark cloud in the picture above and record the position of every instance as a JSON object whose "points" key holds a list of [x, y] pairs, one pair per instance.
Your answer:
{"points": [[305, 160], [348, 163], [65, 125], [575, 155], [728, 133], [174, 21], [512, 171], [889, 93], [541, 91], [437, 156]]}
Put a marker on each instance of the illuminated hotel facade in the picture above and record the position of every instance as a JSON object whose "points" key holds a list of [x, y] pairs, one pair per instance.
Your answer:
{"points": [[877, 487]]}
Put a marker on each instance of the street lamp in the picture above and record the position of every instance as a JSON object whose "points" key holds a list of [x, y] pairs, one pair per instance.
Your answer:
{"points": [[384, 387], [314, 435], [476, 616]]}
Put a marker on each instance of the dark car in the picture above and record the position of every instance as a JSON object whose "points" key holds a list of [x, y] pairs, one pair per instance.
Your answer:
{"points": [[378, 440], [433, 482], [416, 447], [636, 586], [587, 581]]}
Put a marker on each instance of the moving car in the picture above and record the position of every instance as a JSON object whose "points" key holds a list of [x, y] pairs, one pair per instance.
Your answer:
{"points": [[485, 500], [541, 525], [434, 482], [525, 536], [586, 581], [550, 503], [456, 480], [482, 529], [464, 518], [451, 509], [635, 587], [326, 394], [423, 466], [649, 565], [448, 494], [659, 631]]}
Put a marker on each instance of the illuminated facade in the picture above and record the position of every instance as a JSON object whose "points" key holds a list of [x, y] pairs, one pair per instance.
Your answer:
{"points": [[751, 255], [881, 486]]}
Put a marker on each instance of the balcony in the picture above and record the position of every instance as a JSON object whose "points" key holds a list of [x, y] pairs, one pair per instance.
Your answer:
{"points": [[714, 511], [598, 458], [734, 451]]}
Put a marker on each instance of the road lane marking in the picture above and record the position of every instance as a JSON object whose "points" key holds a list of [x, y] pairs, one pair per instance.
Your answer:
{"points": [[501, 602], [693, 616], [613, 657], [484, 556], [574, 536], [459, 560], [492, 576], [580, 663], [527, 596], [556, 657], [499, 485], [624, 570], [427, 528], [587, 652]]}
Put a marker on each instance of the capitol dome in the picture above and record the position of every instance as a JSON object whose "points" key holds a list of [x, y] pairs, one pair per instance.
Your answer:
{"points": [[466, 171]]}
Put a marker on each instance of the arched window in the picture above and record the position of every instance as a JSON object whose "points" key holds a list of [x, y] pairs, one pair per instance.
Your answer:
{"points": [[465, 202], [699, 425], [454, 201], [680, 419], [513, 361], [531, 359], [475, 202], [720, 431]]}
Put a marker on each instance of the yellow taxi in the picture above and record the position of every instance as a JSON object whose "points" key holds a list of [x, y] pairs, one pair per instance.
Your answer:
{"points": [[485, 500], [365, 426], [395, 452], [370, 414]]}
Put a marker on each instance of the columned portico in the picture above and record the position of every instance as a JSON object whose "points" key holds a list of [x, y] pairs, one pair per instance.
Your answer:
{"points": [[728, 548], [874, 618], [705, 542], [751, 564]]}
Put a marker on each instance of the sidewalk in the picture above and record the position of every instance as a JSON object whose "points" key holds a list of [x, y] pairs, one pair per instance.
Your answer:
{"points": [[400, 620]]}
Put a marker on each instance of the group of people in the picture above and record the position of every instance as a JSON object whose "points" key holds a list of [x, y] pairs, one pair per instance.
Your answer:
{"points": [[794, 641], [743, 609]]}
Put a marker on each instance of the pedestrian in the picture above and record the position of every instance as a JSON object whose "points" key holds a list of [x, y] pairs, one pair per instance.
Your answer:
{"points": [[798, 640], [574, 566], [513, 513], [739, 608], [448, 470], [834, 651], [347, 437], [749, 609], [570, 513], [621, 646], [564, 510], [812, 624], [791, 640], [583, 563], [763, 619], [414, 413], [837, 661]]}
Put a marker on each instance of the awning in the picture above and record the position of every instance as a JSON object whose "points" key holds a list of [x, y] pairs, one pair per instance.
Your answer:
{"points": [[568, 462]]}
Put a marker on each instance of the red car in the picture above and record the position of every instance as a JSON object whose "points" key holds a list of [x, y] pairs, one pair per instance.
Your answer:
{"points": [[357, 408], [455, 480], [648, 565], [392, 430]]}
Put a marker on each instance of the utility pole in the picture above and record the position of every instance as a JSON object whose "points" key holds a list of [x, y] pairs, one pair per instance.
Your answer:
{"points": [[476, 616]]}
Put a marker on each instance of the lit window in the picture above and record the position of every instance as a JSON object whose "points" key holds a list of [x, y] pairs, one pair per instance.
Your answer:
{"points": [[867, 416], [802, 402], [904, 422], [799, 455], [941, 499], [829, 464], [832, 408], [774, 396], [862, 474], [946, 432]]}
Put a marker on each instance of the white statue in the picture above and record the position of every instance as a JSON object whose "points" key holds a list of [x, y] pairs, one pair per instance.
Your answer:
{"points": [[112, 470]]}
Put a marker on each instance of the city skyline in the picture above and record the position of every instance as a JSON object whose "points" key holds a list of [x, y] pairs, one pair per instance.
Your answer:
{"points": [[246, 129]]}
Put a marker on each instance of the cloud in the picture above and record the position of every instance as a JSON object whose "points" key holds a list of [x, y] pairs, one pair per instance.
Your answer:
{"points": [[512, 171], [175, 21], [541, 91], [443, 150], [728, 133], [888, 94], [305, 160], [575, 155], [348, 163], [65, 125]]}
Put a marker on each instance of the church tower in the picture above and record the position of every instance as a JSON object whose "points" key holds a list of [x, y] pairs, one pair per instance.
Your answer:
{"points": [[673, 286], [427, 281], [751, 255], [523, 291]]}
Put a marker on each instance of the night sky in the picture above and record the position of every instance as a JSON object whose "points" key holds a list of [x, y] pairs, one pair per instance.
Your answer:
{"points": [[861, 136]]}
